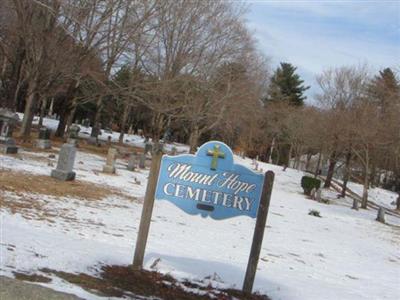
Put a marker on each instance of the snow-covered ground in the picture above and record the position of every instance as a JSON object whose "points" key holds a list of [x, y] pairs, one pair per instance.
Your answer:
{"points": [[345, 254], [379, 196]]}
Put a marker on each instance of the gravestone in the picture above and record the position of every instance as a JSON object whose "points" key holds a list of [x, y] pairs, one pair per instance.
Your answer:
{"points": [[86, 122], [355, 204], [256, 166], [381, 215], [130, 130], [8, 120], [43, 142], [65, 163], [73, 135], [167, 136], [142, 161], [174, 151], [109, 167], [132, 162], [318, 195], [94, 135], [108, 130], [312, 193], [148, 147]]}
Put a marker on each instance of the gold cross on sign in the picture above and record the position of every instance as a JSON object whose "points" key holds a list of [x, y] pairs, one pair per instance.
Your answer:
{"points": [[215, 153]]}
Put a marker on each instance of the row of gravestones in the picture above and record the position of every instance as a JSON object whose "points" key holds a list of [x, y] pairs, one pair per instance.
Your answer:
{"points": [[43, 141], [8, 121], [64, 170]]}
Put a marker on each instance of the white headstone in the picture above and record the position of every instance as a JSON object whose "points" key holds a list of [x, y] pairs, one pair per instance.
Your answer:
{"points": [[65, 163], [381, 215], [318, 195], [142, 161], [109, 167], [132, 162]]}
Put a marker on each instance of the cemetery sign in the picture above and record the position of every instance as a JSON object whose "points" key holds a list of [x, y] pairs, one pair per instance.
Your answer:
{"points": [[209, 183]]}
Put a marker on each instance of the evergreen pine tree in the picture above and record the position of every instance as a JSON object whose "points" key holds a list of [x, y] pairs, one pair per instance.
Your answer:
{"points": [[286, 85], [384, 89]]}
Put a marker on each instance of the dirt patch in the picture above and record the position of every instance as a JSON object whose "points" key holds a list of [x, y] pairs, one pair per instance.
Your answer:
{"points": [[19, 182], [31, 277], [119, 281]]}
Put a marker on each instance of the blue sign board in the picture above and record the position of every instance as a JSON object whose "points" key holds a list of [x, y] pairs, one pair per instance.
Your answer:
{"points": [[209, 183]]}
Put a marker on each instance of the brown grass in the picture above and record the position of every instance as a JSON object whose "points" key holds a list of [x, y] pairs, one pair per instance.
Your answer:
{"points": [[18, 182], [119, 281], [26, 197], [31, 277]]}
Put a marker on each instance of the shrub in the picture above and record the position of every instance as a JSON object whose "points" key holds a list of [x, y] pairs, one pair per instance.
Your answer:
{"points": [[315, 213], [308, 183]]}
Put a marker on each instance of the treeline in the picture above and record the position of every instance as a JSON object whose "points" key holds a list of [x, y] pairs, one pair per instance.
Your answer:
{"points": [[354, 124], [191, 69], [186, 65]]}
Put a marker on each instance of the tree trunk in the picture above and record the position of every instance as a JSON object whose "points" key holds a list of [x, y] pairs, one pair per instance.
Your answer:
{"points": [[50, 112], [97, 116], [309, 155], [17, 77], [298, 164], [364, 201], [71, 114], [398, 202], [298, 158], [29, 112], [271, 151], [318, 164], [294, 165], [331, 170], [289, 155], [346, 174], [5, 100], [64, 114], [194, 138], [42, 111], [66, 107], [157, 125], [372, 176], [125, 115], [278, 155]]}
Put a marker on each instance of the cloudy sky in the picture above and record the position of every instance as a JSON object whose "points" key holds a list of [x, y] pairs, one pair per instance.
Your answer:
{"points": [[314, 35]]}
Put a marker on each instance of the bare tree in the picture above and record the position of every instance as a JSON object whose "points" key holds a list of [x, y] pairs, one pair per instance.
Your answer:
{"points": [[192, 39], [340, 88]]}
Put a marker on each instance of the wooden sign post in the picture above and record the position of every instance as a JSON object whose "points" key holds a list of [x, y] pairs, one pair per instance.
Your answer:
{"points": [[209, 184], [258, 232], [147, 211]]}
